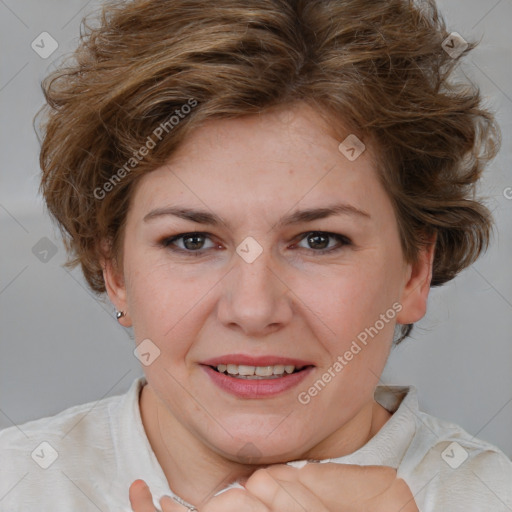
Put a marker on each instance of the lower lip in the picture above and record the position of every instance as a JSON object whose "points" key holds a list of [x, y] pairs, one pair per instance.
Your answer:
{"points": [[256, 388]]}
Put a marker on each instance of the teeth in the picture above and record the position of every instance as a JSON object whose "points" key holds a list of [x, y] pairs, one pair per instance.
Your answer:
{"points": [[243, 370], [232, 369], [279, 369], [264, 371]]}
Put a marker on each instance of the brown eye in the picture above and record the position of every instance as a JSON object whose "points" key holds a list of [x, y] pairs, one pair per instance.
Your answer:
{"points": [[188, 242], [193, 242], [319, 241]]}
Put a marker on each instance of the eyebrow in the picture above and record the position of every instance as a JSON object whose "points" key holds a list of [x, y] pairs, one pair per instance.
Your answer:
{"points": [[307, 215]]}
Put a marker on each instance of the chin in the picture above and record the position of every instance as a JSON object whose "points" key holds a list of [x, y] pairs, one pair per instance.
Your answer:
{"points": [[261, 451]]}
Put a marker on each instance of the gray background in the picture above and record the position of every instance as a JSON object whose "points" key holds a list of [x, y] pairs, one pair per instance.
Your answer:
{"points": [[60, 346]]}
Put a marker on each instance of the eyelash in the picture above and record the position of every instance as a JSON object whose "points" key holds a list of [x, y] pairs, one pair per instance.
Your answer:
{"points": [[167, 242]]}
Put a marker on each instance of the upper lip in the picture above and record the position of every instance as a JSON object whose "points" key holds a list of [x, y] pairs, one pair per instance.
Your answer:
{"points": [[247, 360]]}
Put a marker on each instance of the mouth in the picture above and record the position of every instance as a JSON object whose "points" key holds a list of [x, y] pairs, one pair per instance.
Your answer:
{"points": [[241, 371], [248, 377]]}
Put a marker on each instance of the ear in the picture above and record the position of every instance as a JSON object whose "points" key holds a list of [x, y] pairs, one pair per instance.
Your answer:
{"points": [[115, 286], [417, 285]]}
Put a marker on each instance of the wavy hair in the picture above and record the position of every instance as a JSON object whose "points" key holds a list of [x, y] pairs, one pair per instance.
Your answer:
{"points": [[378, 68]]}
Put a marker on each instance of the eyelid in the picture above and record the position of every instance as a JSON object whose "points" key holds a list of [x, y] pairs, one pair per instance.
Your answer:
{"points": [[167, 242], [343, 241]]}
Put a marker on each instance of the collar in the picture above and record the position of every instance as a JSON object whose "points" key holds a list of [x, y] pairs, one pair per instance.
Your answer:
{"points": [[136, 458]]}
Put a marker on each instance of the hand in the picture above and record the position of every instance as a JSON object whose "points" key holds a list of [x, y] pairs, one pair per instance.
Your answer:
{"points": [[340, 487], [233, 500], [325, 487]]}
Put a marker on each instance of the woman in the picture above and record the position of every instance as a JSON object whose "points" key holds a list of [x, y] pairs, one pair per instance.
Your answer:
{"points": [[266, 191]]}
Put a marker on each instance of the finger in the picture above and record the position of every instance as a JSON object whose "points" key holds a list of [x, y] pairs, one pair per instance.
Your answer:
{"points": [[354, 484], [361, 481], [140, 497], [397, 497], [403, 496], [235, 500], [337, 484], [283, 495]]}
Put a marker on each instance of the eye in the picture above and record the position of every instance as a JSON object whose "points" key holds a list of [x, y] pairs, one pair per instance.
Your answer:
{"points": [[192, 243], [319, 241]]}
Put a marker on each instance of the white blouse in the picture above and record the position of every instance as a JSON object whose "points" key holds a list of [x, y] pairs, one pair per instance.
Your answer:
{"points": [[86, 457]]}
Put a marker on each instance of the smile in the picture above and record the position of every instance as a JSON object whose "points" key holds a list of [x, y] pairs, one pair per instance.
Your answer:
{"points": [[251, 385], [241, 371]]}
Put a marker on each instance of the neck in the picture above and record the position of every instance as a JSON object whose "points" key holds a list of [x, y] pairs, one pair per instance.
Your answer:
{"points": [[195, 472]]}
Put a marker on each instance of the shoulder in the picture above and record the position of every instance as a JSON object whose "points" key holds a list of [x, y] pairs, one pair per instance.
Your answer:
{"points": [[447, 468], [46, 460], [84, 421]]}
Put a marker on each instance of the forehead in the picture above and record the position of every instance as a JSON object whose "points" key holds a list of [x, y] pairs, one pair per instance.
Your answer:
{"points": [[285, 131], [275, 159]]}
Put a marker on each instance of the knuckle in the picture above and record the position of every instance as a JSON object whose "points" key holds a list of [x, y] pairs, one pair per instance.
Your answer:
{"points": [[383, 473], [398, 495], [308, 472], [283, 472], [260, 477]]}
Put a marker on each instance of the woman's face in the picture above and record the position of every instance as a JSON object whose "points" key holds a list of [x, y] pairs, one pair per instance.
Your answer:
{"points": [[253, 282]]}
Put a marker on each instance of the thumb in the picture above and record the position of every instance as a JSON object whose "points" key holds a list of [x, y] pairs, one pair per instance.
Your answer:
{"points": [[140, 497]]}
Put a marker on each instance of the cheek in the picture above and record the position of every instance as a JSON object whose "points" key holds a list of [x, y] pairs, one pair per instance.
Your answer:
{"points": [[348, 299], [161, 298]]}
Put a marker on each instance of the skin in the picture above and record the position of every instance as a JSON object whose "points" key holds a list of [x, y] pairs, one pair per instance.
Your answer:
{"points": [[291, 301], [316, 487]]}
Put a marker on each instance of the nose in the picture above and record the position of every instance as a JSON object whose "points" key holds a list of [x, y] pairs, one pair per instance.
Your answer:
{"points": [[255, 299]]}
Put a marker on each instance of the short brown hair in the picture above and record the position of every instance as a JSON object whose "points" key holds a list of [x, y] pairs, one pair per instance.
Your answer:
{"points": [[378, 67]]}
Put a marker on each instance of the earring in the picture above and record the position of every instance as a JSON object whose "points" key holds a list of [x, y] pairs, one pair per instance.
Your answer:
{"points": [[119, 314]]}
